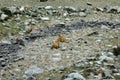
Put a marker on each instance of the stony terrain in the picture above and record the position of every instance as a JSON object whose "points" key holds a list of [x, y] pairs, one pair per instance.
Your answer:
{"points": [[92, 30]]}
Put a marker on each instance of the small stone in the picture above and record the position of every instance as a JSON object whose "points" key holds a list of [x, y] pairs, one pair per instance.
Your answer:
{"points": [[68, 79], [104, 27], [73, 14], [107, 74], [108, 54], [45, 18], [76, 76], [63, 48], [89, 3], [49, 8], [62, 68], [82, 14], [89, 11], [56, 57], [18, 19], [116, 74], [22, 8], [48, 68], [99, 9], [13, 9], [105, 58], [3, 17], [5, 42], [65, 14], [33, 70]]}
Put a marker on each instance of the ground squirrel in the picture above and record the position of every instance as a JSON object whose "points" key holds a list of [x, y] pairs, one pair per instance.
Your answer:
{"points": [[56, 44], [61, 38]]}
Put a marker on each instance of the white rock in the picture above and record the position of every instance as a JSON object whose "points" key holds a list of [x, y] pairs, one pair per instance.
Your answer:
{"points": [[56, 56], [33, 70], [104, 27], [3, 16], [5, 42], [22, 8], [82, 14], [49, 8], [76, 76], [106, 58], [65, 14], [45, 18], [68, 79]]}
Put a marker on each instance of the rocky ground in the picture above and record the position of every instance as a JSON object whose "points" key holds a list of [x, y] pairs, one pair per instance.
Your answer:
{"points": [[92, 50]]}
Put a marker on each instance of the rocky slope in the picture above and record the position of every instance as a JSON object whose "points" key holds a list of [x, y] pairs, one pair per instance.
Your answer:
{"points": [[28, 32]]}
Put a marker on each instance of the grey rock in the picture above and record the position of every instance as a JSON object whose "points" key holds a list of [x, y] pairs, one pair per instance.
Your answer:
{"points": [[116, 74], [105, 58], [22, 8], [108, 54], [70, 9], [33, 70], [73, 14], [3, 16], [68, 79], [32, 21], [76, 76], [107, 74], [65, 14], [99, 9], [62, 68], [3, 64], [18, 19], [107, 7], [60, 7], [63, 48], [56, 57], [112, 9], [104, 27], [48, 68], [49, 8], [89, 3], [60, 24], [81, 64], [22, 42], [82, 14], [45, 18], [5, 42], [89, 11], [13, 9]]}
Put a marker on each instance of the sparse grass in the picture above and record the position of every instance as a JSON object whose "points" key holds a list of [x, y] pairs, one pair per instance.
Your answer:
{"points": [[117, 77], [12, 29]]}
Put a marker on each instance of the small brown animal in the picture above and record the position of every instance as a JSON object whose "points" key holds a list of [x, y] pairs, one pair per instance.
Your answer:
{"points": [[55, 44], [61, 38]]}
